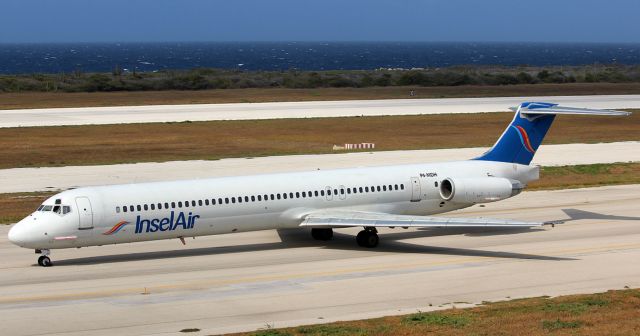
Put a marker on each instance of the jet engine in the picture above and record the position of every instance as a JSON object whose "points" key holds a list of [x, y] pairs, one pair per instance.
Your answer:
{"points": [[478, 190]]}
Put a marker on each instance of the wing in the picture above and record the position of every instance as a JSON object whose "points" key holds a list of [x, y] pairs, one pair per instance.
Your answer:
{"points": [[338, 219]]}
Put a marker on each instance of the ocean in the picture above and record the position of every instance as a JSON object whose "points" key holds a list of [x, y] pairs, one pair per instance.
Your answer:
{"points": [[275, 56]]}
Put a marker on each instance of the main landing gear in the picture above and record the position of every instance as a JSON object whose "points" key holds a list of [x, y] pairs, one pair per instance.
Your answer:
{"points": [[368, 237], [44, 259]]}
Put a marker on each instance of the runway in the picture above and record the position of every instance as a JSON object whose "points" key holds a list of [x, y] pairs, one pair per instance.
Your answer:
{"points": [[317, 109], [62, 178], [248, 281]]}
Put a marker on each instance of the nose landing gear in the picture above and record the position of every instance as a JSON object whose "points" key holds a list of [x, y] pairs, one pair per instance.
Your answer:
{"points": [[44, 259]]}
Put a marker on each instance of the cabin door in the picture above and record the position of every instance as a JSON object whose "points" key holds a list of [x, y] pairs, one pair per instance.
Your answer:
{"points": [[415, 189], [85, 213]]}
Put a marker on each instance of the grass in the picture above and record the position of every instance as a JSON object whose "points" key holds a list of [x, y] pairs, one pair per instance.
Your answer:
{"points": [[112, 144], [22, 100], [592, 175], [619, 315], [15, 206]]}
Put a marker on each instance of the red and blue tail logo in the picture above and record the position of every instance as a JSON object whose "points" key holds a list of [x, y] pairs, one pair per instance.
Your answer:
{"points": [[524, 138], [116, 228]]}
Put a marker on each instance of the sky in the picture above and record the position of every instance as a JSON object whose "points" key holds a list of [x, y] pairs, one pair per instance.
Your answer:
{"points": [[321, 20]]}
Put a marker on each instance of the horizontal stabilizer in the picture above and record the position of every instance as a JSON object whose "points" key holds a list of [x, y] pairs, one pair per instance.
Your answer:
{"points": [[548, 108], [337, 219]]}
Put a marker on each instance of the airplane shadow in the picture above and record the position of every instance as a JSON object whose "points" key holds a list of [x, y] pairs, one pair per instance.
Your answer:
{"points": [[576, 214], [296, 238]]}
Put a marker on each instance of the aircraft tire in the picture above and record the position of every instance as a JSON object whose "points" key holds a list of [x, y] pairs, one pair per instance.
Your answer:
{"points": [[366, 238], [44, 261]]}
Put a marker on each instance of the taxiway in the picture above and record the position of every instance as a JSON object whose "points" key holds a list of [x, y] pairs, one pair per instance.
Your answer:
{"points": [[315, 109], [254, 280]]}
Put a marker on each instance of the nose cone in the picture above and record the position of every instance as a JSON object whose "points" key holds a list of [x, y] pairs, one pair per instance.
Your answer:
{"points": [[18, 234]]}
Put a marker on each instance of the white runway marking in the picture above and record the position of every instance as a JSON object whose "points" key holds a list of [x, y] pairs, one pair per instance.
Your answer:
{"points": [[247, 111]]}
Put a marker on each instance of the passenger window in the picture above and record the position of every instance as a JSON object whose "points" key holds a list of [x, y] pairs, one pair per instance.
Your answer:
{"points": [[67, 209], [166, 205], [180, 204], [131, 208], [341, 191], [206, 202], [193, 203], [200, 202], [278, 196], [139, 207], [402, 186], [315, 193], [153, 206], [290, 195], [436, 184], [117, 209], [240, 199], [390, 187], [384, 188], [304, 194], [220, 201], [233, 199], [284, 195], [266, 197], [246, 198], [213, 201], [322, 192], [378, 188], [173, 205], [297, 194], [366, 189], [226, 200], [253, 198], [146, 207], [360, 189], [396, 187], [124, 208], [348, 190], [259, 197], [273, 198]]}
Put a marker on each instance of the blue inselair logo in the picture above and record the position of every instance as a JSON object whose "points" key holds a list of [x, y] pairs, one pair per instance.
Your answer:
{"points": [[171, 223]]}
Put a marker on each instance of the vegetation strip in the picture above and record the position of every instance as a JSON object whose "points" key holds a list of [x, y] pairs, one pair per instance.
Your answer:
{"points": [[25, 100], [614, 312], [15, 206], [113, 144]]}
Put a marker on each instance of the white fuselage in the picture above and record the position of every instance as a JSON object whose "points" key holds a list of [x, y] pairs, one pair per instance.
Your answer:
{"points": [[162, 210]]}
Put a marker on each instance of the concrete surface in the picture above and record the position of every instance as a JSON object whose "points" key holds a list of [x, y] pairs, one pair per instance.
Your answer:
{"points": [[244, 111], [58, 178], [246, 281]]}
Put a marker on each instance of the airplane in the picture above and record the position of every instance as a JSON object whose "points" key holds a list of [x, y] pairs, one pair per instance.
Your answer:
{"points": [[322, 200]]}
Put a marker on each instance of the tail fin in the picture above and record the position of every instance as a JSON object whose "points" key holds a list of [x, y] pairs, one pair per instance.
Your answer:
{"points": [[523, 136]]}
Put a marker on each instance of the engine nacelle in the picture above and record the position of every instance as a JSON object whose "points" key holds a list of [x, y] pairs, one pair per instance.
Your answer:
{"points": [[478, 190]]}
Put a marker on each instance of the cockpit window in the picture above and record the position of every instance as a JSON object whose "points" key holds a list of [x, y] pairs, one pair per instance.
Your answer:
{"points": [[59, 209]]}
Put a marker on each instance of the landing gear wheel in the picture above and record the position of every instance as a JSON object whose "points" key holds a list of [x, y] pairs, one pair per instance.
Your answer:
{"points": [[44, 261], [322, 234], [367, 238]]}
